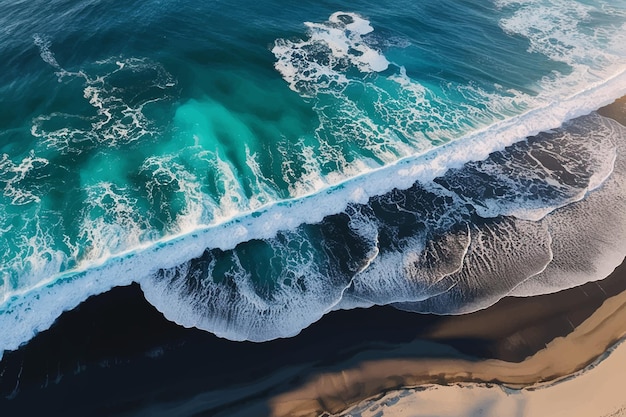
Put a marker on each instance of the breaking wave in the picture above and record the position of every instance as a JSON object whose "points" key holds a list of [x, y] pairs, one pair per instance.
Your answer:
{"points": [[431, 197]]}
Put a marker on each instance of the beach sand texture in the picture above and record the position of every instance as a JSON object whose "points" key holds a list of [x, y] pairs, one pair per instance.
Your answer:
{"points": [[530, 382], [576, 375], [335, 208], [518, 355], [597, 390]]}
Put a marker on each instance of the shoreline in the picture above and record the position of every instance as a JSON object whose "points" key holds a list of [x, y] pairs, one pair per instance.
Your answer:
{"points": [[115, 354], [333, 393], [594, 333], [600, 380], [51, 301]]}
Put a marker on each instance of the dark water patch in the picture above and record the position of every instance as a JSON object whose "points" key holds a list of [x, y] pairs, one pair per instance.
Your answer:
{"points": [[116, 355], [452, 246]]}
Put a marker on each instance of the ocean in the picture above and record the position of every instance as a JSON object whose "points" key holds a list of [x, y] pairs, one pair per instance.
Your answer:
{"points": [[254, 166]]}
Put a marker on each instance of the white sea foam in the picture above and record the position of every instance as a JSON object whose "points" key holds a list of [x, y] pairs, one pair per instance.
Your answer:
{"points": [[486, 275], [263, 189], [310, 179], [351, 182], [332, 47], [407, 118], [12, 176], [564, 31], [34, 255], [413, 273], [166, 174], [301, 291], [110, 223], [588, 237], [403, 119], [565, 171], [64, 291], [46, 54], [117, 121]]}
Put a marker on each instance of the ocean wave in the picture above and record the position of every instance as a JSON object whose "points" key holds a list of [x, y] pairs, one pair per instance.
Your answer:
{"points": [[261, 281], [386, 207]]}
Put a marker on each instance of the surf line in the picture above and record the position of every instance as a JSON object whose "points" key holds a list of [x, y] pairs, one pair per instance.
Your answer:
{"points": [[51, 296], [265, 221]]}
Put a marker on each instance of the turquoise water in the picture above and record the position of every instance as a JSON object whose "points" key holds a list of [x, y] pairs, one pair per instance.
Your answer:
{"points": [[257, 159]]}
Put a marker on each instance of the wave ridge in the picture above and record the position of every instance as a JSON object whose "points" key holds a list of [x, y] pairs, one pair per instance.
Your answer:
{"points": [[64, 291]]}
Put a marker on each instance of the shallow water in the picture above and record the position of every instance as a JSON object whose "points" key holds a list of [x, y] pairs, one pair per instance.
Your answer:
{"points": [[254, 166]]}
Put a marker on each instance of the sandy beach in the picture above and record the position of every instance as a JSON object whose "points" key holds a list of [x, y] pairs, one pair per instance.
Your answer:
{"points": [[597, 390], [314, 209], [576, 334], [117, 355], [561, 357]]}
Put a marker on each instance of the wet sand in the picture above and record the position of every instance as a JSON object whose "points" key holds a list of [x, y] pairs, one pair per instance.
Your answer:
{"points": [[597, 390], [335, 391], [575, 331], [116, 355]]}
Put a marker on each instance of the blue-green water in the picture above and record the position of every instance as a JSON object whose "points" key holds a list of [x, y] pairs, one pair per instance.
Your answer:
{"points": [[254, 165]]}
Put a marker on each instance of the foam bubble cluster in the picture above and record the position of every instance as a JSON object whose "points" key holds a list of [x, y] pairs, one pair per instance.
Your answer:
{"points": [[566, 32], [428, 248], [120, 116], [434, 194], [331, 50]]}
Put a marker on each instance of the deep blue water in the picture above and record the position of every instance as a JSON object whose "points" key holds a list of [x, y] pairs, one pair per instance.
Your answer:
{"points": [[255, 165]]}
